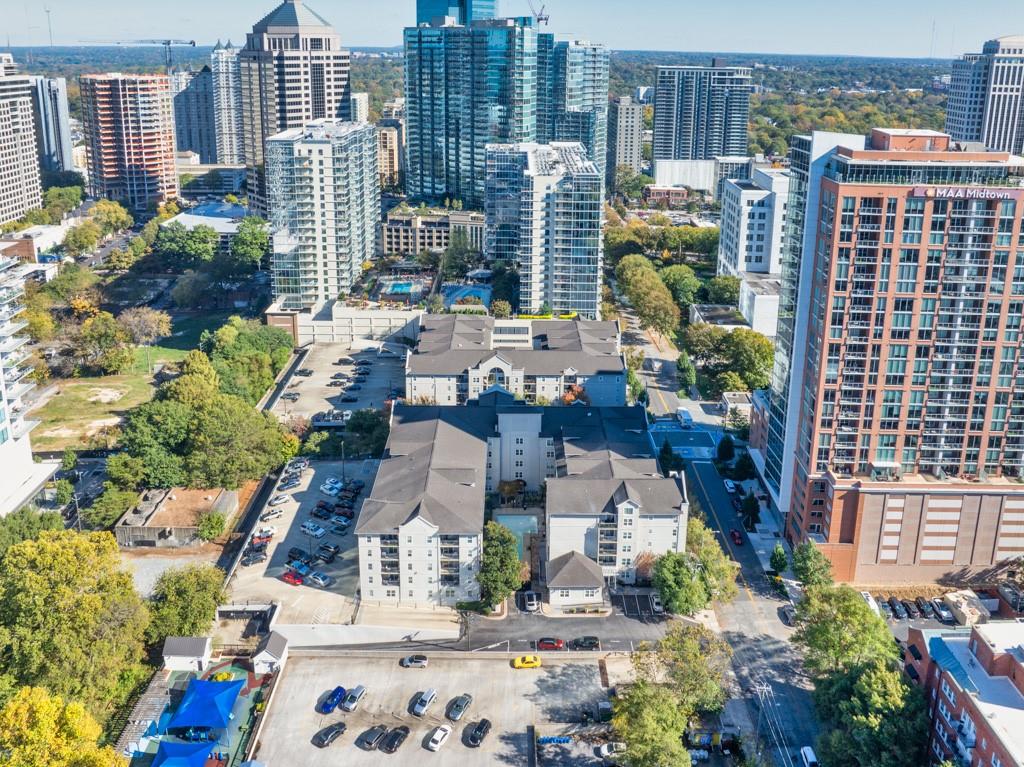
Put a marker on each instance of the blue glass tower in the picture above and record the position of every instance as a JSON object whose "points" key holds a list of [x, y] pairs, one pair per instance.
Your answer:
{"points": [[463, 11]]}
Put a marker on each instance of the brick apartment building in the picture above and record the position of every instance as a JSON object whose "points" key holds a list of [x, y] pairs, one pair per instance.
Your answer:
{"points": [[973, 678]]}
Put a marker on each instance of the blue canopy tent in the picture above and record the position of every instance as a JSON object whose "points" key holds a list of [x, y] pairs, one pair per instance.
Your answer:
{"points": [[206, 705], [182, 754]]}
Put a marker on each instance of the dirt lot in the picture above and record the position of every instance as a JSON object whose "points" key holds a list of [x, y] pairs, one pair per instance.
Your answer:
{"points": [[510, 699]]}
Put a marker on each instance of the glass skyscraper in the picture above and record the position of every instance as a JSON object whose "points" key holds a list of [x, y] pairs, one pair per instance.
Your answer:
{"points": [[463, 11]]}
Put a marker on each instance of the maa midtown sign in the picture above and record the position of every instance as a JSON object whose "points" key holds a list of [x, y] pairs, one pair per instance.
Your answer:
{"points": [[967, 193]]}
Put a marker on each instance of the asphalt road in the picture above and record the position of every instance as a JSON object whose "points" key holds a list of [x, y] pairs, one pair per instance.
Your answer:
{"points": [[762, 653]]}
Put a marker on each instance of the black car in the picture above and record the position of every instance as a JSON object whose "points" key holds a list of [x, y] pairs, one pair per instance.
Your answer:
{"points": [[354, 387], [339, 376], [364, 363], [479, 732], [898, 610], [394, 740], [305, 372], [371, 739], [586, 643], [926, 607], [328, 735], [883, 605], [349, 398], [254, 558], [326, 556], [321, 513], [356, 484], [911, 608], [335, 384]]}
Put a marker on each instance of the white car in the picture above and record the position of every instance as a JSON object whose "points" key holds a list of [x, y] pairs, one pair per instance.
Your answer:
{"points": [[656, 604], [313, 529], [334, 482], [440, 737], [331, 490], [277, 500], [319, 579], [346, 416], [730, 486], [266, 531], [610, 750], [531, 601]]}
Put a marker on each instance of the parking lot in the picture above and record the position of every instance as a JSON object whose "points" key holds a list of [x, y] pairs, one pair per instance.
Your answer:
{"points": [[635, 606], [510, 699], [307, 604], [306, 395]]}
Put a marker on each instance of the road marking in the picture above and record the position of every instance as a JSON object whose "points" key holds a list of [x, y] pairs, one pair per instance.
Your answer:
{"points": [[725, 536]]}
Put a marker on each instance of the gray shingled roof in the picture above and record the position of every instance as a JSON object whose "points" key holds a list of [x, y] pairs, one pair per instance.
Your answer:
{"points": [[572, 495], [291, 13], [450, 344], [186, 647], [574, 571], [274, 644]]}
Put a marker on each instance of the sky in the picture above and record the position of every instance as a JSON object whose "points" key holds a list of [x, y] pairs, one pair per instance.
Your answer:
{"points": [[900, 28]]}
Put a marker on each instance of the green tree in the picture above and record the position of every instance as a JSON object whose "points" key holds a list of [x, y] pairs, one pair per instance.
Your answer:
{"points": [[726, 449], [185, 601], [59, 201], [678, 580], [723, 289], [692, 662], [191, 290], [37, 730], [668, 459], [750, 356], [682, 283], [70, 618], [69, 461], [120, 260], [109, 506], [82, 239], [779, 559], [686, 373], [750, 510], [838, 631], [25, 524], [110, 217], [145, 326], [501, 310], [705, 343], [500, 568], [649, 720], [126, 472], [65, 491], [654, 305], [102, 343], [717, 570], [810, 566], [248, 247], [211, 525]]}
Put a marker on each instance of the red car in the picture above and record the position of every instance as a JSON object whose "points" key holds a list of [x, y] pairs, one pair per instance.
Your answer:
{"points": [[549, 643], [293, 578], [736, 536], [258, 540]]}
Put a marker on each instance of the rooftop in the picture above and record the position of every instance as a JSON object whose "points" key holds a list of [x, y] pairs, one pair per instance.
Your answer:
{"points": [[554, 159], [574, 571], [763, 284], [290, 14], [717, 314], [324, 129]]}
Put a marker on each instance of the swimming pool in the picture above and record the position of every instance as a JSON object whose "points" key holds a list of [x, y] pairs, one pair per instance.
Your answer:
{"points": [[520, 525], [455, 293], [399, 288]]}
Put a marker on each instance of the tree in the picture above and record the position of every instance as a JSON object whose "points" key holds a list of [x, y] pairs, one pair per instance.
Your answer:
{"points": [[751, 356], [110, 217], [724, 289], [692, 662], [126, 472], [146, 326], [70, 618], [654, 305], [678, 579], [25, 524], [629, 183], [717, 570], [103, 343], [185, 601], [435, 304], [248, 247], [682, 283], [838, 630], [686, 373], [501, 310], [109, 506], [182, 248], [120, 260], [500, 569], [779, 559], [211, 525], [726, 449], [810, 566], [750, 510], [729, 380], [191, 290], [668, 459], [82, 239], [65, 491], [69, 461], [704, 343], [649, 720], [37, 730], [61, 200]]}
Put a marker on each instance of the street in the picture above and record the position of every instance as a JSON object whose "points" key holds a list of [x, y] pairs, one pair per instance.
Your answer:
{"points": [[763, 657]]}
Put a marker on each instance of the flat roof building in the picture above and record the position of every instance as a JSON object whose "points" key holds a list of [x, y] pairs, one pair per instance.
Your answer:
{"points": [[986, 96], [20, 186]]}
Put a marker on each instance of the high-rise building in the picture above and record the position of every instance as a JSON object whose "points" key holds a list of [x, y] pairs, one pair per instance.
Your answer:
{"points": [[701, 112], [20, 188], [194, 113], [393, 110], [294, 70], [53, 123], [544, 215], [129, 134], [324, 193], [753, 223], [389, 140], [495, 82], [625, 136], [906, 445], [22, 477], [360, 107], [986, 96], [227, 103], [463, 11]]}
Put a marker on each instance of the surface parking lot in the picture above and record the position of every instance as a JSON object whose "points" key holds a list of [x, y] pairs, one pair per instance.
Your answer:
{"points": [[305, 604], [316, 395], [635, 606], [510, 699]]}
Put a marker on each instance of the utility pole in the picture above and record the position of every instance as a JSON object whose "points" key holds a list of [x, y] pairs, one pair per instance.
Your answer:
{"points": [[49, 26]]}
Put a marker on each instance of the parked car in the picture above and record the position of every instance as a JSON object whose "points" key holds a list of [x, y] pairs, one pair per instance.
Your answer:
{"points": [[351, 701], [609, 751], [341, 530], [344, 510], [289, 485], [354, 387], [364, 363], [371, 739], [414, 661], [737, 504], [317, 578], [328, 735], [332, 701], [304, 372], [898, 610], [737, 537], [314, 530], [277, 500], [550, 643], [942, 611], [290, 396], [460, 706], [338, 519], [527, 661], [883, 605], [293, 578], [339, 376], [321, 512], [586, 643], [787, 613], [925, 607], [911, 608], [254, 558], [335, 384], [424, 702], [656, 604], [260, 541], [394, 740], [349, 398], [329, 490], [356, 484], [531, 601], [265, 531], [270, 514], [298, 567], [439, 738], [479, 732], [730, 486], [334, 482]]}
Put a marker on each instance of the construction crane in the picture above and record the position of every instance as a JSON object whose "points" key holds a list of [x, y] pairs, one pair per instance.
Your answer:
{"points": [[165, 43], [540, 16]]}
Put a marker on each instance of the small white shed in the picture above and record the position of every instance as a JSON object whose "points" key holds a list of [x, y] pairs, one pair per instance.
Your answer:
{"points": [[187, 653], [271, 654]]}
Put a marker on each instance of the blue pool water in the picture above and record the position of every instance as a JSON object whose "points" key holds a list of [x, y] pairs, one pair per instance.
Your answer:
{"points": [[399, 288], [456, 293], [520, 525]]}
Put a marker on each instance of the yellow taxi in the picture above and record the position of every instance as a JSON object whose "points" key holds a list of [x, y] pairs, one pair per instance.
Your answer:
{"points": [[526, 661]]}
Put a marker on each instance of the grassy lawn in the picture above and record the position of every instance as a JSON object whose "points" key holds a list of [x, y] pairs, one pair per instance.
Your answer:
{"points": [[185, 337], [84, 406]]}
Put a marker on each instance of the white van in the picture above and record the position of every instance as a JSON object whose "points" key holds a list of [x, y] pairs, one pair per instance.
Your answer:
{"points": [[807, 757], [871, 603]]}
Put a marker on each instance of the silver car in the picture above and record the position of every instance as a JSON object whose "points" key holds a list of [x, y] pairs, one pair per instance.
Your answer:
{"points": [[351, 701], [425, 701], [414, 661], [459, 707]]}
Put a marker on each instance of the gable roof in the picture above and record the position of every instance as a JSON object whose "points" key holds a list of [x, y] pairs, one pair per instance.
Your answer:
{"points": [[187, 647], [574, 571], [591, 497], [274, 645]]}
